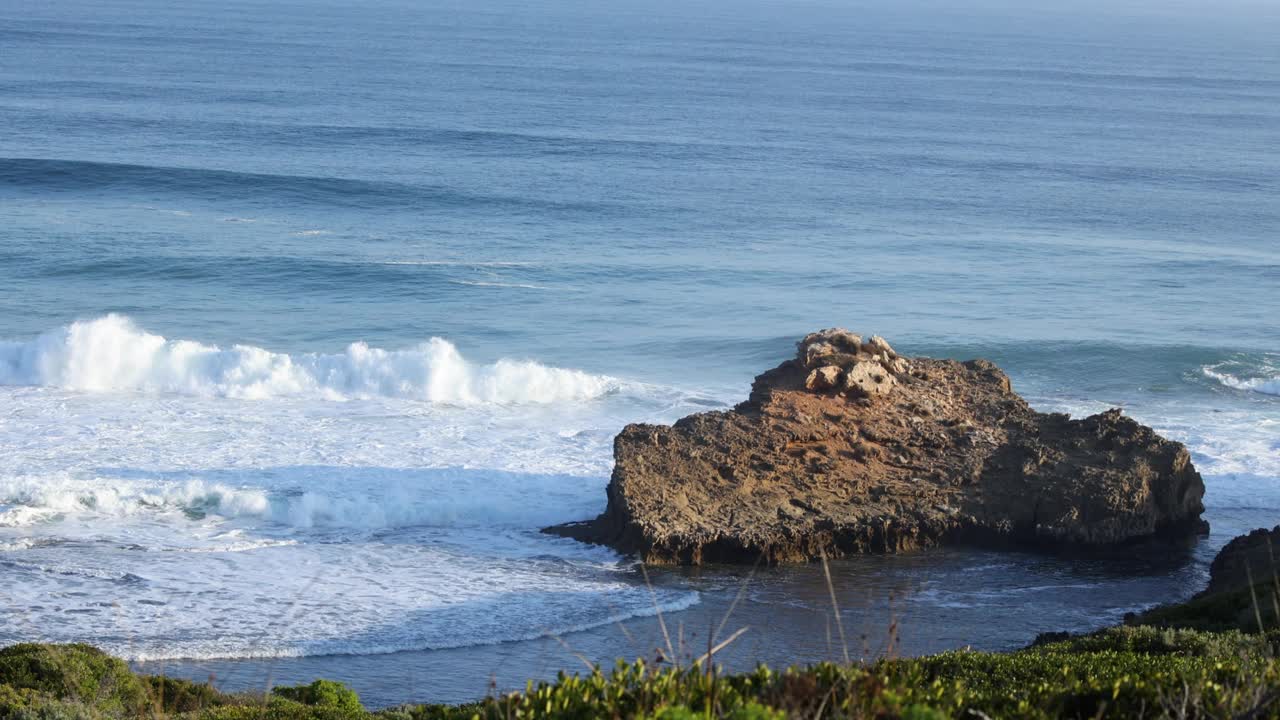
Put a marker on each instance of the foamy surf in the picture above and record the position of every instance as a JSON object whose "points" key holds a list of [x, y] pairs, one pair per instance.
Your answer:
{"points": [[1264, 385], [322, 598], [30, 501], [246, 648], [301, 500], [111, 353], [406, 518]]}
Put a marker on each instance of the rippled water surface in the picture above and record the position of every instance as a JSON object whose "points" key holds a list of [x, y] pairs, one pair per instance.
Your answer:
{"points": [[312, 314]]}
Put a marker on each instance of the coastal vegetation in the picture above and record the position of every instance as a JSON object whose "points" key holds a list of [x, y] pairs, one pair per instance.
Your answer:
{"points": [[1214, 656], [1126, 672]]}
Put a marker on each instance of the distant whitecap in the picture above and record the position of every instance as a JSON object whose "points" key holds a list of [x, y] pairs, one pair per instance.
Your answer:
{"points": [[111, 353]]}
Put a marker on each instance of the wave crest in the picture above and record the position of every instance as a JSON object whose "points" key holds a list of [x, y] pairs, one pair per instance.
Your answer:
{"points": [[1264, 385], [111, 353]]}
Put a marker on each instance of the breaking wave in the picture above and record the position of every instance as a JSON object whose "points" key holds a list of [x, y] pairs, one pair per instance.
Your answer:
{"points": [[26, 502], [111, 353], [1264, 385]]}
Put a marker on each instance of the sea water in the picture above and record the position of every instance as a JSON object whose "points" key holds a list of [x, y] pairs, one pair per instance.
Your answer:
{"points": [[314, 313]]}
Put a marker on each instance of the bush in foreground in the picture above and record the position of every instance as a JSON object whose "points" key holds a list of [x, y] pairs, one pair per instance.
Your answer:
{"points": [[1121, 673], [77, 676], [324, 693]]}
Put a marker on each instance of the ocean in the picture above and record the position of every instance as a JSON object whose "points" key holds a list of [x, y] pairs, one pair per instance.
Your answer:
{"points": [[313, 313]]}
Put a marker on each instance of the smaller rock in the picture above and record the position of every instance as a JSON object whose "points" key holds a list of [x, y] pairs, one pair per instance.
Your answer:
{"points": [[899, 366], [1247, 557], [812, 355], [878, 345], [826, 377], [839, 359], [868, 379], [841, 339]]}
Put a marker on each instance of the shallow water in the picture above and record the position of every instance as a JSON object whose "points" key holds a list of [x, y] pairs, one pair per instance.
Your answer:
{"points": [[889, 606], [312, 315]]}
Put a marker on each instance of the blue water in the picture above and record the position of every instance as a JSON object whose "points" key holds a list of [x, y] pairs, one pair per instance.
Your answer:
{"points": [[228, 234]]}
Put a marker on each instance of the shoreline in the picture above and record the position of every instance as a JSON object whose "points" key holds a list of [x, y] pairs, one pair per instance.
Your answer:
{"points": [[1222, 643], [1133, 669], [912, 604]]}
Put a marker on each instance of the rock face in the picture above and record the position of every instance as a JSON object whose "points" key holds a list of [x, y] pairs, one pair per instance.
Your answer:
{"points": [[1243, 592], [1246, 558], [850, 448]]}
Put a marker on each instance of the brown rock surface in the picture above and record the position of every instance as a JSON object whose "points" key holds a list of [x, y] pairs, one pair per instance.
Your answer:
{"points": [[849, 448], [1252, 556]]}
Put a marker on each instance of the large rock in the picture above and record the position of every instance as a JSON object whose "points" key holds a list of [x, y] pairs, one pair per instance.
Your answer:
{"points": [[849, 448]]}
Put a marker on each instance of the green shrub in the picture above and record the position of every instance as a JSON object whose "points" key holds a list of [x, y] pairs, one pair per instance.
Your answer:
{"points": [[755, 711], [678, 712], [75, 674], [1163, 641], [278, 708], [28, 704], [324, 693], [55, 710], [432, 712], [172, 695], [922, 712], [1238, 609], [750, 711]]}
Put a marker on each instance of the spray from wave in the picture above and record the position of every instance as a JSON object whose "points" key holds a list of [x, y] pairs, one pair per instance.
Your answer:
{"points": [[1264, 385], [112, 354]]}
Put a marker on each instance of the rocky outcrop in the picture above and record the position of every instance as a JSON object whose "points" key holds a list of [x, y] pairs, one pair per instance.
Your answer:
{"points": [[850, 448], [1243, 592], [1246, 560]]}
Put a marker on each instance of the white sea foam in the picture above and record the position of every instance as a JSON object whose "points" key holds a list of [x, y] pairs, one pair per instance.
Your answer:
{"points": [[372, 501], [223, 647], [351, 598], [1264, 385], [188, 526], [242, 546], [484, 283], [33, 500], [112, 354], [70, 570]]}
